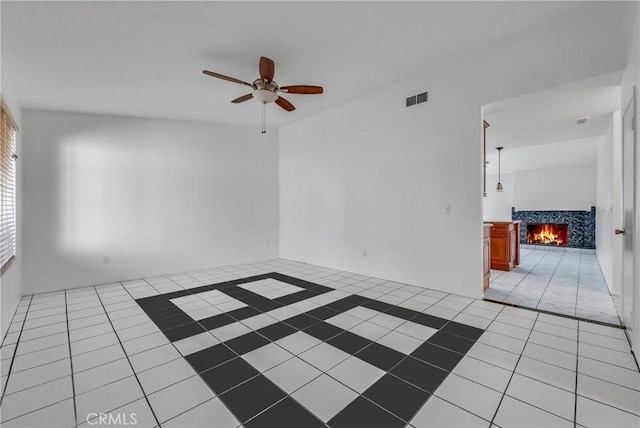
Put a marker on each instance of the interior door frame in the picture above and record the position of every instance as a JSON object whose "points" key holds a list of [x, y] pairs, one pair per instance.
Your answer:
{"points": [[628, 302]]}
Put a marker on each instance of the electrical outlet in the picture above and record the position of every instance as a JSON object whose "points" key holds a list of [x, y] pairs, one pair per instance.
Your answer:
{"points": [[364, 253], [447, 209], [105, 260]]}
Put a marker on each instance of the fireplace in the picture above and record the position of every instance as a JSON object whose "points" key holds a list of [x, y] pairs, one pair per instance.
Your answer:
{"points": [[581, 230], [547, 234]]}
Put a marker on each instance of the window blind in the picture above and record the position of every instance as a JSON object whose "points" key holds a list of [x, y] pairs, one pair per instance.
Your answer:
{"points": [[7, 186]]}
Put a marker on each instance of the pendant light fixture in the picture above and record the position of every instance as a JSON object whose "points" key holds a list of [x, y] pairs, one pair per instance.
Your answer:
{"points": [[499, 187]]}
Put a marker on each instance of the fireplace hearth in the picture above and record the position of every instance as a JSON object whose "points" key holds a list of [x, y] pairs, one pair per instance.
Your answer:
{"points": [[547, 234]]}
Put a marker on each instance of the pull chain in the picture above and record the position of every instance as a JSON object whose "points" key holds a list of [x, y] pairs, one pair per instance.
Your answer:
{"points": [[264, 131]]}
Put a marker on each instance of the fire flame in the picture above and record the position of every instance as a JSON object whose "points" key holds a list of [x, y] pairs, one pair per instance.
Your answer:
{"points": [[546, 235]]}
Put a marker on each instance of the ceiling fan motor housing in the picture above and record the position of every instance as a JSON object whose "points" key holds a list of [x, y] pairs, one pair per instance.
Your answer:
{"points": [[265, 92]]}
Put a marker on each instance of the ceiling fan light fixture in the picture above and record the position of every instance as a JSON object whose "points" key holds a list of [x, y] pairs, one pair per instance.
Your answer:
{"points": [[265, 96]]}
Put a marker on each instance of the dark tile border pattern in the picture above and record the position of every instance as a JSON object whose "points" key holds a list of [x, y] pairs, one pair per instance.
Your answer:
{"points": [[392, 401]]}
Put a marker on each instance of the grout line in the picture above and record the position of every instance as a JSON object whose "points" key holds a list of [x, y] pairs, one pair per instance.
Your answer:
{"points": [[550, 279], [579, 287], [575, 406], [73, 385], [36, 410], [128, 360], [513, 372], [543, 311], [13, 358], [528, 273], [12, 318], [575, 311]]}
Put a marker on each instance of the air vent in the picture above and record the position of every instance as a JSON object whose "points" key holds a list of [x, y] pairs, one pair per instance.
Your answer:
{"points": [[417, 99]]}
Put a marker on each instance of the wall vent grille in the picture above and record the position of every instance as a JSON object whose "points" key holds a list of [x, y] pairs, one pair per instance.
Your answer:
{"points": [[411, 101], [417, 99]]}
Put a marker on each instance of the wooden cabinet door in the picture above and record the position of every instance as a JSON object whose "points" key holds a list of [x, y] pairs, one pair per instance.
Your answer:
{"points": [[512, 247], [486, 258]]}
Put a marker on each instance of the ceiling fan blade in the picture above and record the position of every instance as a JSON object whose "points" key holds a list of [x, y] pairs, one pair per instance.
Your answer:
{"points": [[267, 69], [302, 89], [285, 104], [223, 77], [243, 98]]}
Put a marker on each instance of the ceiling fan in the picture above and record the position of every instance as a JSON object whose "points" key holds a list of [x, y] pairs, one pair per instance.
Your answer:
{"points": [[266, 90]]}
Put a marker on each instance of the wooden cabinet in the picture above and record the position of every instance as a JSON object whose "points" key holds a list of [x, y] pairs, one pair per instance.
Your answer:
{"points": [[505, 245], [486, 254]]}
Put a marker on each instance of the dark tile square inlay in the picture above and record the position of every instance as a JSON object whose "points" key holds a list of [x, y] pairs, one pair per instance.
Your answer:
{"points": [[465, 331], [289, 299], [362, 413], [159, 313], [322, 313], [277, 331], [302, 321], [323, 330], [247, 343], [261, 303], [401, 312], [216, 321], [228, 375], [455, 343], [429, 320], [286, 414], [420, 374], [377, 306], [244, 313], [210, 357], [174, 321], [252, 397], [349, 342], [380, 356], [183, 331], [397, 396], [437, 356]]}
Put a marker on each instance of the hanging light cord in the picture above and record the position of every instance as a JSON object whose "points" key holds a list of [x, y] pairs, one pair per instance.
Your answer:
{"points": [[264, 121]]}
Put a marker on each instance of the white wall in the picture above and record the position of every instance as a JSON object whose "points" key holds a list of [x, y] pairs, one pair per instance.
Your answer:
{"points": [[11, 280], [374, 176], [572, 187], [604, 203], [155, 196], [497, 206]]}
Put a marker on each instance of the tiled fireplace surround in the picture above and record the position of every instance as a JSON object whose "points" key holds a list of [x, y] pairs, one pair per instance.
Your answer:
{"points": [[582, 224]]}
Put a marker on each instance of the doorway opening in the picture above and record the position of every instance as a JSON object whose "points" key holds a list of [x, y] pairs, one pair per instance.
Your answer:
{"points": [[550, 173]]}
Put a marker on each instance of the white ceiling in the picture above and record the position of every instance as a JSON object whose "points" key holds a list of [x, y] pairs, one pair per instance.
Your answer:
{"points": [[145, 58], [539, 130], [553, 155]]}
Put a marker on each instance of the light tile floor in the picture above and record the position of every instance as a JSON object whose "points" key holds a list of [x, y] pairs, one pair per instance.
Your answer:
{"points": [[327, 348], [563, 282]]}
